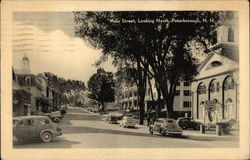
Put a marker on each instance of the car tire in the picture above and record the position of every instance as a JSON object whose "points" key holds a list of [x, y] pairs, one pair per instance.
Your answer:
{"points": [[151, 131], [47, 137], [162, 132], [184, 127], [57, 120]]}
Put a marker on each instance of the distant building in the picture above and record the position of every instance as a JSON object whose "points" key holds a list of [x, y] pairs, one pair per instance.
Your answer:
{"points": [[21, 99], [35, 85], [218, 78], [182, 100]]}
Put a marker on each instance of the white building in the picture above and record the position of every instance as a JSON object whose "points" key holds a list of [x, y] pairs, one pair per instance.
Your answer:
{"points": [[218, 78], [182, 100]]}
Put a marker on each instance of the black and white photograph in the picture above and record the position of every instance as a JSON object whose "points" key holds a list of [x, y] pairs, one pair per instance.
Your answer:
{"points": [[126, 79]]}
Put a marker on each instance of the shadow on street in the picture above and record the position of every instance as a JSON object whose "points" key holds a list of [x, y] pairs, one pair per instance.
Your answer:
{"points": [[72, 130], [58, 142]]}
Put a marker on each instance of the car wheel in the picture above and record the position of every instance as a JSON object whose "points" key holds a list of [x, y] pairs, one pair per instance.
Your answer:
{"points": [[57, 120], [47, 137], [151, 131], [184, 127], [162, 133]]}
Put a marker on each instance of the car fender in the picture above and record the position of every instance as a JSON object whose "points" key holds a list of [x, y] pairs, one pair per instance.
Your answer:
{"points": [[46, 130]]}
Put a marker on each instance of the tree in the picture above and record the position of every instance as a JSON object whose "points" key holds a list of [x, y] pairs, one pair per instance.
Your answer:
{"points": [[162, 45], [101, 87]]}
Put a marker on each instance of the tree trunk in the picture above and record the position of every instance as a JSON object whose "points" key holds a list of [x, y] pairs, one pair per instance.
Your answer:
{"points": [[141, 87], [102, 106], [170, 108]]}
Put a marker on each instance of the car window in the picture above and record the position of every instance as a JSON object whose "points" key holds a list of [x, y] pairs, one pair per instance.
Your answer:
{"points": [[28, 122], [170, 121], [42, 121], [159, 121]]}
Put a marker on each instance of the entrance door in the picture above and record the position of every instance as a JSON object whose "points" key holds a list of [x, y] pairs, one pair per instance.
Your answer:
{"points": [[25, 110]]}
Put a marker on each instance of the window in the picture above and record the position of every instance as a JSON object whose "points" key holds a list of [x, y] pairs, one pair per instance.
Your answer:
{"points": [[216, 63], [186, 83], [135, 93], [202, 89], [130, 94], [212, 87], [186, 104], [177, 92], [178, 84], [170, 121], [230, 35], [28, 122], [186, 93], [42, 121], [28, 80], [218, 87], [229, 83]]}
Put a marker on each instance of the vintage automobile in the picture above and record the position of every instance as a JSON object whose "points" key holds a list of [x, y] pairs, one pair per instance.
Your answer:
{"points": [[186, 123], [34, 128], [165, 126], [55, 116], [127, 122], [112, 119]]}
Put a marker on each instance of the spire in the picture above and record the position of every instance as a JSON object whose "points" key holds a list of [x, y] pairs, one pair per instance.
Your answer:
{"points": [[25, 57]]}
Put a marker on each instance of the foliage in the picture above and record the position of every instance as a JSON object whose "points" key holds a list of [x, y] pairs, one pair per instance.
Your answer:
{"points": [[163, 46], [101, 87]]}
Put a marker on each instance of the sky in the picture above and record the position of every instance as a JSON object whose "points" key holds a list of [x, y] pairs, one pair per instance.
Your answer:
{"points": [[47, 38]]}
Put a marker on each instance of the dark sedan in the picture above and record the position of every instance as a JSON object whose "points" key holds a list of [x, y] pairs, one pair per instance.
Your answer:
{"points": [[186, 123]]}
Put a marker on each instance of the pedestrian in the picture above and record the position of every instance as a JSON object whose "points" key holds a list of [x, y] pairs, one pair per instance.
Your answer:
{"points": [[148, 118]]}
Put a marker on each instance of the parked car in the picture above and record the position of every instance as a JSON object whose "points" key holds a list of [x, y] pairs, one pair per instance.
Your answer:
{"points": [[112, 119], [55, 116], [165, 126], [34, 128], [127, 122], [186, 123]]}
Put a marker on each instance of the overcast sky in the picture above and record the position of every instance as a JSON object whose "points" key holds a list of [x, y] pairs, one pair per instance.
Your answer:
{"points": [[48, 40]]}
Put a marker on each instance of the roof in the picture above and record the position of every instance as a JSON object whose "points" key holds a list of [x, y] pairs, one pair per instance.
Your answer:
{"points": [[25, 57], [227, 51], [203, 63], [28, 117]]}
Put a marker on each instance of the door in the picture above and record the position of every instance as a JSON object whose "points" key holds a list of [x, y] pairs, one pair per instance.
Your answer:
{"points": [[25, 110], [26, 129]]}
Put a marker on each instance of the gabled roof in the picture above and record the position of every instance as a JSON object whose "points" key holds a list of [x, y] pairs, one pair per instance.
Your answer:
{"points": [[203, 63]]}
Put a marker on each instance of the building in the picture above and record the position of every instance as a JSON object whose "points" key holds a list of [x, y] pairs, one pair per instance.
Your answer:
{"points": [[21, 99], [182, 101], [35, 85], [218, 79]]}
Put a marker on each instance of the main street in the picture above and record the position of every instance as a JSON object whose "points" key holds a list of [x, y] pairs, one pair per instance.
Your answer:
{"points": [[88, 130]]}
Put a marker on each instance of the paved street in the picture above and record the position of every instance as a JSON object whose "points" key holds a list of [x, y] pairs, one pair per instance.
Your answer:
{"points": [[89, 130]]}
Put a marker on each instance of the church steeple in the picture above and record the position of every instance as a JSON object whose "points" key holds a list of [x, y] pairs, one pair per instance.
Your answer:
{"points": [[26, 64]]}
